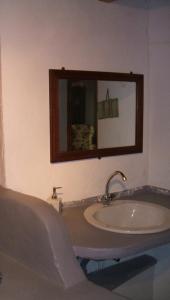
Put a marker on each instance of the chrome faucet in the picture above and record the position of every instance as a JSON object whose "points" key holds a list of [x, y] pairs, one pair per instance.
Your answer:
{"points": [[108, 197]]}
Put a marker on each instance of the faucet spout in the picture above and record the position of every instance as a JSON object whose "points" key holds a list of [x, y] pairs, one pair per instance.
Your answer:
{"points": [[107, 196]]}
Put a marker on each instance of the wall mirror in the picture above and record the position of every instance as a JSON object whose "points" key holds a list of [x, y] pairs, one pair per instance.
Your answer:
{"points": [[95, 114]]}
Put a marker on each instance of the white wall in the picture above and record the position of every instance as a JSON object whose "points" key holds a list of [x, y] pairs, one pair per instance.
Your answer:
{"points": [[159, 112], [77, 34]]}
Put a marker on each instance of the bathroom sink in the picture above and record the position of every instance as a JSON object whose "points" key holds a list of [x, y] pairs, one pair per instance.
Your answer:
{"points": [[129, 217]]}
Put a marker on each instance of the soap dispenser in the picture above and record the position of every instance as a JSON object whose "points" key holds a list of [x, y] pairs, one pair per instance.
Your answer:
{"points": [[55, 201]]}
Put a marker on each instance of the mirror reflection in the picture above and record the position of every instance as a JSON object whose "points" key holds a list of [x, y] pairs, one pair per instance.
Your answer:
{"points": [[77, 116], [96, 114]]}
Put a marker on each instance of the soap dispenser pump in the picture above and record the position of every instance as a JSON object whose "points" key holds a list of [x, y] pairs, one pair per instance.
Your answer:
{"points": [[54, 195], [56, 201]]}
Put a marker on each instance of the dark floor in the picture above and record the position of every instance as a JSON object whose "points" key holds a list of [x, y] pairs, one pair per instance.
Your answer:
{"points": [[112, 277]]}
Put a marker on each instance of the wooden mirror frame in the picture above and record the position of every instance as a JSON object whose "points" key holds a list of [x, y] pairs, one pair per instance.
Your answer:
{"points": [[54, 76]]}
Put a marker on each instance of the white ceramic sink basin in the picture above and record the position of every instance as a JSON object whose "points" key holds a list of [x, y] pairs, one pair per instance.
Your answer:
{"points": [[129, 217]]}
